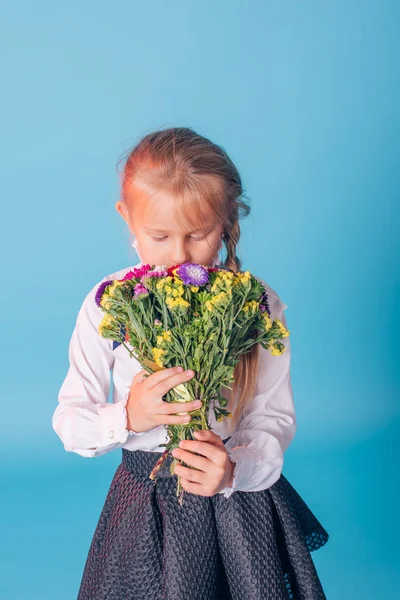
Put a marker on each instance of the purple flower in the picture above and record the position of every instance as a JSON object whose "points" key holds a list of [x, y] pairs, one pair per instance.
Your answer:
{"points": [[192, 274], [140, 289], [100, 290], [264, 306]]}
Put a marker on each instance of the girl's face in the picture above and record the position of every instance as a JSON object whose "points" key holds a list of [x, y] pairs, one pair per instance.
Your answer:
{"points": [[152, 217]]}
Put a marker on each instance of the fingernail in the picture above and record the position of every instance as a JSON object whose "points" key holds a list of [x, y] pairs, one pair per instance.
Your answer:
{"points": [[180, 369], [198, 403]]}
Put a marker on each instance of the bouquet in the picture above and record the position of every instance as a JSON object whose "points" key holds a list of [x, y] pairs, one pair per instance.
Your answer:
{"points": [[202, 318]]}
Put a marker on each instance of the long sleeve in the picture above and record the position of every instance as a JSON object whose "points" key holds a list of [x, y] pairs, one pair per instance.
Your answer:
{"points": [[84, 419], [268, 424]]}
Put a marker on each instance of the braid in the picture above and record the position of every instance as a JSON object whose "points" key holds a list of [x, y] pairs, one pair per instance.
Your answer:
{"points": [[231, 239]]}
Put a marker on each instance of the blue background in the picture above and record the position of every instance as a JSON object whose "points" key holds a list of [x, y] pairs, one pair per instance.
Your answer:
{"points": [[305, 98]]}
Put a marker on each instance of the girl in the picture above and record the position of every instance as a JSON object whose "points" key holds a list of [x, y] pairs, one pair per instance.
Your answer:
{"points": [[242, 533]]}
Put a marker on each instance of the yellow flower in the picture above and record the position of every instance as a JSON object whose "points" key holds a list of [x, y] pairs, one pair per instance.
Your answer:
{"points": [[176, 303], [224, 279], [222, 416], [166, 336], [194, 288], [163, 282], [243, 278], [251, 307], [178, 291], [105, 302], [209, 306], [158, 353], [267, 321], [275, 351], [107, 322], [109, 292], [113, 286], [171, 288], [217, 300], [282, 328]]}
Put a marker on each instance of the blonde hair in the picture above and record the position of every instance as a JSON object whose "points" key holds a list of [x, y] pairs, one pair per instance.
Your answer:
{"points": [[196, 172]]}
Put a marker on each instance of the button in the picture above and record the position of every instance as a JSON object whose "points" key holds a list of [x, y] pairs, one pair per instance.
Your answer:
{"points": [[110, 434]]}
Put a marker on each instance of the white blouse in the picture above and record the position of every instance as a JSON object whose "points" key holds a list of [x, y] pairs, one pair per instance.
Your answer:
{"points": [[90, 425]]}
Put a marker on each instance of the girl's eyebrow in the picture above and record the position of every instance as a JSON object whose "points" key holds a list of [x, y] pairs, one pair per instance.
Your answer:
{"points": [[206, 229]]}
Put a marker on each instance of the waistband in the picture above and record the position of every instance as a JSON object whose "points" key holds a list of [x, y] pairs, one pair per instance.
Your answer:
{"points": [[141, 462]]}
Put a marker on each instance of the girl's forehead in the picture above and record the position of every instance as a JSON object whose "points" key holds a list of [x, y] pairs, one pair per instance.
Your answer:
{"points": [[161, 211]]}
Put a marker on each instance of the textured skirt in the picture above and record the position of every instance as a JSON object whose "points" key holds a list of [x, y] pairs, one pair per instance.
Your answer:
{"points": [[250, 546]]}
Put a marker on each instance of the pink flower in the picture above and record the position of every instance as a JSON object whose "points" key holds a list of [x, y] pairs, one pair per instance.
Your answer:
{"points": [[156, 274], [139, 289], [137, 273]]}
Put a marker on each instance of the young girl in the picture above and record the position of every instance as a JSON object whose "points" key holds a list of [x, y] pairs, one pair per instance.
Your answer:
{"points": [[242, 533]]}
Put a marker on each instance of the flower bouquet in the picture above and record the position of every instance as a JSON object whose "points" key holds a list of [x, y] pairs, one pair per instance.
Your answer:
{"points": [[202, 318]]}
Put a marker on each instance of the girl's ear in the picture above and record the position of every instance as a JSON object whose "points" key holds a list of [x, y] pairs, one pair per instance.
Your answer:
{"points": [[122, 210]]}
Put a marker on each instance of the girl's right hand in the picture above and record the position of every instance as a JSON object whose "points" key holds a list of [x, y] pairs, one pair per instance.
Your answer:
{"points": [[145, 407]]}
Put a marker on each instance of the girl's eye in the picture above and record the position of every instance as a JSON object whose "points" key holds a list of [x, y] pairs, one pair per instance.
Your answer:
{"points": [[156, 239]]}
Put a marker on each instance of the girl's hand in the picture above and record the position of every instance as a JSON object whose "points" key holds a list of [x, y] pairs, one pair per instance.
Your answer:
{"points": [[145, 407], [213, 469]]}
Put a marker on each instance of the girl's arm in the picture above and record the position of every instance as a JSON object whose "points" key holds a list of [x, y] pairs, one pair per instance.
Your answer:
{"points": [[269, 422], [84, 419]]}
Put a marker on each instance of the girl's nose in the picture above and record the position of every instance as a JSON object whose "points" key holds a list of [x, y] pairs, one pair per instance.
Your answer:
{"points": [[180, 254], [180, 260]]}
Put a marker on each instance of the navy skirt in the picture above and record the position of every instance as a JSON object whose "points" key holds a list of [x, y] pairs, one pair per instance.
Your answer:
{"points": [[250, 546]]}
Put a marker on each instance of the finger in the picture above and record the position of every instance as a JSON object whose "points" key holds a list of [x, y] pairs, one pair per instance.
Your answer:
{"points": [[190, 474], [207, 435], [206, 449], [170, 408], [167, 384], [172, 419], [162, 375], [199, 462], [193, 488], [141, 376]]}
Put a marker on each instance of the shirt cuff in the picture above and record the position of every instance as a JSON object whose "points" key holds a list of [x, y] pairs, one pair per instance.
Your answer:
{"points": [[113, 422], [243, 470]]}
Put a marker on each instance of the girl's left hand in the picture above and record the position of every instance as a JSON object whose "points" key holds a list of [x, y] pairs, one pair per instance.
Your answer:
{"points": [[213, 469]]}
